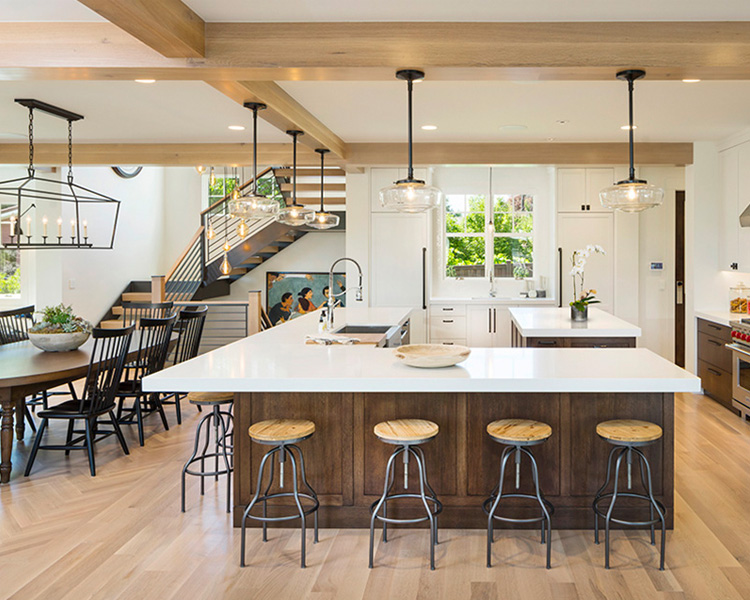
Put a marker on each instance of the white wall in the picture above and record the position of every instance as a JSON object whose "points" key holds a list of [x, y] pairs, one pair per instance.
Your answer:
{"points": [[183, 191], [314, 253]]}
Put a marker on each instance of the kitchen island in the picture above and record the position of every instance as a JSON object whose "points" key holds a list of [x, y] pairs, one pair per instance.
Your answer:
{"points": [[552, 327], [346, 390]]}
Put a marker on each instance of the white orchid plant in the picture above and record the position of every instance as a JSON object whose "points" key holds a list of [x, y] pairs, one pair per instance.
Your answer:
{"points": [[581, 296]]}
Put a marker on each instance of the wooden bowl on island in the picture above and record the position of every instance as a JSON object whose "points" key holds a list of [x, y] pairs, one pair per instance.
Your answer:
{"points": [[431, 356]]}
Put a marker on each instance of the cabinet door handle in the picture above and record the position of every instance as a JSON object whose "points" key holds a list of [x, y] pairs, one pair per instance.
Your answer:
{"points": [[489, 320], [716, 327], [714, 342], [447, 320], [494, 312], [583, 207], [447, 343], [447, 309], [547, 342], [713, 372]]}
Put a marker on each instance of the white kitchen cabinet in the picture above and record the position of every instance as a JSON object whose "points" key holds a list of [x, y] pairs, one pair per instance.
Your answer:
{"points": [[488, 326], [578, 188], [729, 233], [381, 177], [743, 199], [399, 266], [576, 231]]}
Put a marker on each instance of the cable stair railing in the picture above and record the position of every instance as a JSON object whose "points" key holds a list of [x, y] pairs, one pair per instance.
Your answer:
{"points": [[199, 263]]}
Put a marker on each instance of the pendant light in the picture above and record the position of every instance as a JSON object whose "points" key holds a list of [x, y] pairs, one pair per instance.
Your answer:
{"points": [[294, 215], [322, 219], [253, 205], [631, 194], [410, 195]]}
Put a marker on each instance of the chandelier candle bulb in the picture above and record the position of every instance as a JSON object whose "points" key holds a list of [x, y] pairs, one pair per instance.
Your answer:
{"points": [[72, 228], [28, 226], [59, 226], [85, 228], [44, 226], [12, 226]]}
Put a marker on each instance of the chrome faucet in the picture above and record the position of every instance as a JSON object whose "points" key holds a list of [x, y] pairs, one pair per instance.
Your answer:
{"points": [[332, 297]]}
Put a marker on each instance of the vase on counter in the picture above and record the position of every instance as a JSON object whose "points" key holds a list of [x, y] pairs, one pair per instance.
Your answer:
{"points": [[579, 315]]}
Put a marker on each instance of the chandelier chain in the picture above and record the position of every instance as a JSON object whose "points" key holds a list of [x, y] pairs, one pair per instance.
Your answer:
{"points": [[31, 141], [70, 151]]}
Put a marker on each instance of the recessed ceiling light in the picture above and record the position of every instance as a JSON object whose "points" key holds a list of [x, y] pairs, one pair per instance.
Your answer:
{"points": [[145, 80], [513, 127], [550, 139], [690, 80], [626, 127], [429, 127], [237, 127], [562, 121]]}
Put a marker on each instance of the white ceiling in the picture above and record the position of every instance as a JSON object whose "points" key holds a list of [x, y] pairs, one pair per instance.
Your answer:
{"points": [[475, 111], [126, 111], [411, 10]]}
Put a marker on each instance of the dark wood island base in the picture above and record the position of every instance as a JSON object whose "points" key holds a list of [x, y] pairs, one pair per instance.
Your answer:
{"points": [[346, 463]]}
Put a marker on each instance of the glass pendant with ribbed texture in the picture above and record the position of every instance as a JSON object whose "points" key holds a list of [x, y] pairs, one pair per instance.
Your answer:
{"points": [[322, 219]]}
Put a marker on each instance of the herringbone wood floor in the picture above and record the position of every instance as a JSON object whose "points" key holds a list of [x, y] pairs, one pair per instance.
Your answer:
{"points": [[65, 535]]}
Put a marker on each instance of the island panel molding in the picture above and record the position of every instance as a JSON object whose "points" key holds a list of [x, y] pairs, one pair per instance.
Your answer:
{"points": [[371, 51], [345, 461]]}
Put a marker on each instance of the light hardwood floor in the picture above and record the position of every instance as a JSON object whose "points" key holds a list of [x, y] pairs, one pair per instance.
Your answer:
{"points": [[65, 535]]}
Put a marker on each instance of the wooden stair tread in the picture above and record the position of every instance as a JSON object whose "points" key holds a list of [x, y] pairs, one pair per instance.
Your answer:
{"points": [[314, 187], [406, 430], [519, 430], [136, 297], [315, 201], [253, 260], [311, 172], [629, 430], [281, 430], [111, 324]]}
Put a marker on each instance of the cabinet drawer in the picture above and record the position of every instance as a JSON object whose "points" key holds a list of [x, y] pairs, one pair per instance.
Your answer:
{"points": [[447, 328], [720, 332], [717, 383], [455, 310], [617, 342], [545, 343], [449, 342], [713, 351]]}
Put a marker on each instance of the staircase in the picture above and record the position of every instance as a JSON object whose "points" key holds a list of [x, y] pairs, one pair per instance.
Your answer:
{"points": [[196, 275]]}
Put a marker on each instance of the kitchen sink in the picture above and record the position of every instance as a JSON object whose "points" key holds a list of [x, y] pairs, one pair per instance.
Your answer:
{"points": [[363, 329]]}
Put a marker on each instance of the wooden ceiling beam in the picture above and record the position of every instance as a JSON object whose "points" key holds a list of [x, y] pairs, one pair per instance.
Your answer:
{"points": [[168, 26], [284, 113], [551, 153], [372, 51]]}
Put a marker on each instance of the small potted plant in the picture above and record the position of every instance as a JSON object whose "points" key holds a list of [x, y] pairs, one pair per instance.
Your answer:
{"points": [[59, 330], [582, 297]]}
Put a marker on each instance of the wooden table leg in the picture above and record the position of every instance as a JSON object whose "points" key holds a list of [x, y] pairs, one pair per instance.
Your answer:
{"points": [[20, 417], [6, 434]]}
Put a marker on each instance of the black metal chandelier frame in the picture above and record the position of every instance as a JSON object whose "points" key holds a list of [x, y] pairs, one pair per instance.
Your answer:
{"points": [[31, 189]]}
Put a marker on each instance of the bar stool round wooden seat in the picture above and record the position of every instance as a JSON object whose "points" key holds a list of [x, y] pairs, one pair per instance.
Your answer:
{"points": [[517, 435], [407, 434], [283, 435], [221, 423], [628, 436]]}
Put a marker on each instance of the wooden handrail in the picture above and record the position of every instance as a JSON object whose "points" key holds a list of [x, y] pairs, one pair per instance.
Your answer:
{"points": [[184, 252], [242, 187]]}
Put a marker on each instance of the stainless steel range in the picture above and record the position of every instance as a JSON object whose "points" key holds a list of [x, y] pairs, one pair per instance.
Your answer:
{"points": [[740, 347]]}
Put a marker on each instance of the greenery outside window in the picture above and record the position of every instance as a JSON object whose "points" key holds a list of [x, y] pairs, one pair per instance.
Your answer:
{"points": [[501, 227], [223, 186]]}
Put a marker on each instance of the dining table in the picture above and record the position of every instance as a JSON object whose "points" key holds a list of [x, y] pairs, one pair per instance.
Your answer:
{"points": [[26, 370]]}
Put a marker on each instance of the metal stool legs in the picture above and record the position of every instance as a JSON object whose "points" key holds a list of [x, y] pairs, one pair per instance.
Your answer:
{"points": [[626, 453], [215, 420], [283, 450], [429, 499], [491, 504]]}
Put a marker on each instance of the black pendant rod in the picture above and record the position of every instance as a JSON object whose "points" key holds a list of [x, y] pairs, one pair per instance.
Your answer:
{"points": [[294, 133], [410, 91], [410, 76], [255, 107], [631, 75], [322, 152]]}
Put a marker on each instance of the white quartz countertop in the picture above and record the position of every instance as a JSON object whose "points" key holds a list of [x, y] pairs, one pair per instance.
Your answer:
{"points": [[278, 360], [496, 300], [556, 322], [720, 317]]}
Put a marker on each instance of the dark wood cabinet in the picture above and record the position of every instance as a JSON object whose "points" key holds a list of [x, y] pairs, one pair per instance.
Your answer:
{"points": [[715, 361]]}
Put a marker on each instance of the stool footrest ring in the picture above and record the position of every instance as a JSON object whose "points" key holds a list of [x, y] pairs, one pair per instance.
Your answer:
{"points": [[603, 512], [488, 502], [437, 509]]}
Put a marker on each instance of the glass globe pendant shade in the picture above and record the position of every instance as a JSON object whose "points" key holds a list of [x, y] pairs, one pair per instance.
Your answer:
{"points": [[411, 196], [294, 215], [242, 229], [253, 207], [631, 196], [322, 220]]}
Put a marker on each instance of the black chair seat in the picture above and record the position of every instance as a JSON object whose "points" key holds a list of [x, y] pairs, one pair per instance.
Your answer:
{"points": [[128, 387], [71, 409]]}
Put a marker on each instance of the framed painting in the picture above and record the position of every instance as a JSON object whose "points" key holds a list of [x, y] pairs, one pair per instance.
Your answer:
{"points": [[289, 295]]}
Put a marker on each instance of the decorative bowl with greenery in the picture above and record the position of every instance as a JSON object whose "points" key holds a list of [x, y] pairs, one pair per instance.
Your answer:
{"points": [[59, 330], [582, 297]]}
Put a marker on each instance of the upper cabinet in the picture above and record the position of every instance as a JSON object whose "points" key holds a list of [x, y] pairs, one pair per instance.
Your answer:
{"points": [[578, 188], [734, 172]]}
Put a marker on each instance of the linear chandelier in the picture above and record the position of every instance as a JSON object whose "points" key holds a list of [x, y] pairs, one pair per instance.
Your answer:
{"points": [[91, 214]]}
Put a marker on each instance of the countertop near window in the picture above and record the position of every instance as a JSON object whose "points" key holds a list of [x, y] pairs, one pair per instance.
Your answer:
{"points": [[720, 317], [496, 300], [536, 322], [278, 360]]}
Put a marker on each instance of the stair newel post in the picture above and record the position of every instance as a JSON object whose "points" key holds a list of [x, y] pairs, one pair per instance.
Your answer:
{"points": [[158, 289]]}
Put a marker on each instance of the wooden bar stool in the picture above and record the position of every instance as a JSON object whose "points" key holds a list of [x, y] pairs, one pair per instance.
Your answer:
{"points": [[220, 421], [407, 434], [283, 434], [517, 435], [627, 436]]}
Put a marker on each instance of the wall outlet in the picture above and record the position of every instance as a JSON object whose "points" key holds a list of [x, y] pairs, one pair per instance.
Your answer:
{"points": [[71, 284]]}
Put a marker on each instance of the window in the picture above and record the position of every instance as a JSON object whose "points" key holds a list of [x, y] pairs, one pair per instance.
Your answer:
{"points": [[470, 238], [10, 260], [225, 184]]}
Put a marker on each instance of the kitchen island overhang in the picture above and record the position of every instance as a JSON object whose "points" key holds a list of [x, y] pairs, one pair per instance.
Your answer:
{"points": [[347, 390]]}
